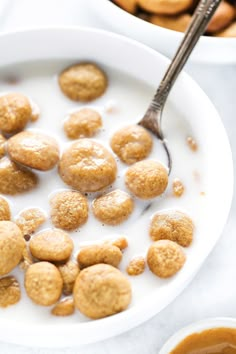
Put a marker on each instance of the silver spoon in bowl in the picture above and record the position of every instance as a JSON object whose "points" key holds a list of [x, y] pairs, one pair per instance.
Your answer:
{"points": [[153, 117]]}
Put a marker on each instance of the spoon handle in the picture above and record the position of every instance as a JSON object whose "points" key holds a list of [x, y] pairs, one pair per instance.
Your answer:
{"points": [[200, 20]]}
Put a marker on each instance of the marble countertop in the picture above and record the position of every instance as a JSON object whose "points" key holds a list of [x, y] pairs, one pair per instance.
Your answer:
{"points": [[213, 291]]}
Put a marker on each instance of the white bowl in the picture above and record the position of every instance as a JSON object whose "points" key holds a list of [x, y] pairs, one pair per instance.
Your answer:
{"points": [[208, 50], [196, 327], [190, 101]]}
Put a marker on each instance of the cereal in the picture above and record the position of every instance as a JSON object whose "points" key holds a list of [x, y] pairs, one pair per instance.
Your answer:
{"points": [[27, 258], [51, 245], [165, 7], [121, 243], [113, 208], [2, 145], [230, 31], [192, 143], [43, 283], [136, 266], [101, 253], [83, 124], [101, 291], [172, 225], [223, 16], [64, 307], [177, 187], [132, 144], [177, 23], [83, 82], [69, 210], [146, 179], [15, 179], [34, 150], [165, 258], [127, 5], [5, 213], [87, 166], [69, 272], [11, 246], [15, 112], [10, 292], [30, 220]]}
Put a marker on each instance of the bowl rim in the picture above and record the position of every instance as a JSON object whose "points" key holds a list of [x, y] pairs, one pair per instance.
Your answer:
{"points": [[107, 327]]}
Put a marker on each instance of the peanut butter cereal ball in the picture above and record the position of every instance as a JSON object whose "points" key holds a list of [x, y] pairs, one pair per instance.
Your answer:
{"points": [[87, 166], [132, 144], [2, 145], [101, 291], [34, 150], [51, 245], [172, 225], [15, 112], [30, 220], [146, 179], [15, 179], [83, 82], [101, 253], [11, 246], [177, 23], [10, 292], [83, 124], [222, 18], [43, 283], [69, 210], [127, 5], [69, 272], [5, 213], [165, 258], [136, 266], [165, 7], [65, 307], [113, 208]]}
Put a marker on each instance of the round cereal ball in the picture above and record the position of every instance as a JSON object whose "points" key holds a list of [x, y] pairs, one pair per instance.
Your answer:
{"points": [[165, 258], [132, 144], [43, 283], [69, 272], [11, 246], [5, 213], [172, 225], [113, 208], [83, 82], [2, 145], [101, 291], [165, 7], [69, 210], [10, 292], [15, 179], [147, 179], [51, 245], [15, 112], [102, 253], [34, 150], [87, 166], [83, 123]]}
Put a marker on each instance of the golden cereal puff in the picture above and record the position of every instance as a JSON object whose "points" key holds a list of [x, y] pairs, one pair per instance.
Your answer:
{"points": [[229, 31], [136, 266], [69, 272], [165, 258], [69, 210], [29, 220], [84, 123], [127, 5], [146, 179], [10, 292], [11, 246], [64, 307], [34, 150], [15, 179], [5, 213], [83, 82], [87, 166], [177, 23], [102, 253], [101, 291], [165, 7], [121, 243], [131, 144], [15, 112], [113, 208], [222, 18], [51, 245], [172, 225], [43, 283], [2, 145]]}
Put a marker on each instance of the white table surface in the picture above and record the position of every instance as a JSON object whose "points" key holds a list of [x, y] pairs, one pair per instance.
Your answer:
{"points": [[213, 291]]}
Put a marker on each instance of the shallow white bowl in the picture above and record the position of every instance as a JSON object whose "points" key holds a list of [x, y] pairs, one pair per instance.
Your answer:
{"points": [[208, 50], [196, 327], [190, 101]]}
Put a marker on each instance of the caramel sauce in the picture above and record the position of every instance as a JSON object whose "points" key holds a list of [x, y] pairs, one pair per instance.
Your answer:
{"points": [[212, 341]]}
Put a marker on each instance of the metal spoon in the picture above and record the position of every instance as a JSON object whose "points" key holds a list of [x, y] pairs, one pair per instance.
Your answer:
{"points": [[153, 117]]}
